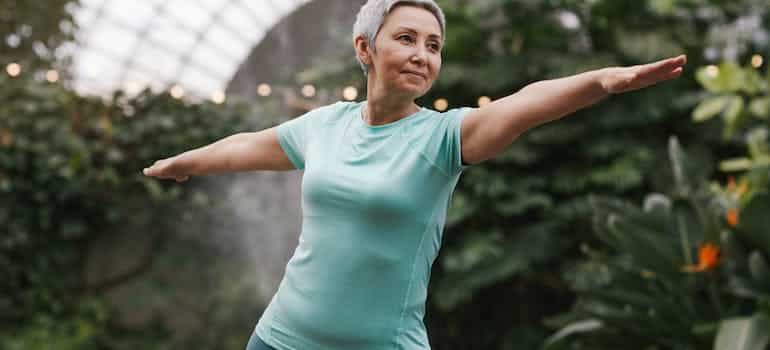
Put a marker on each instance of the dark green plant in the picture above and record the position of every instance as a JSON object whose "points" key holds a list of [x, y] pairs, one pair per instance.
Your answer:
{"points": [[740, 95], [658, 281], [635, 290], [70, 174], [727, 306], [518, 221]]}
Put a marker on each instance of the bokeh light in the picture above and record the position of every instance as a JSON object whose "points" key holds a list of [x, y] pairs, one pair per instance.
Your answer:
{"points": [[13, 69], [350, 93], [441, 104]]}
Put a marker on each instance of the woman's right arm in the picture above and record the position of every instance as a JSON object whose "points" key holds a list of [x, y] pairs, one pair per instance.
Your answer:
{"points": [[240, 152]]}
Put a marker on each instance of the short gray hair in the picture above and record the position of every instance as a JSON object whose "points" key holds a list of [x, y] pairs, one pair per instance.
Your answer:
{"points": [[372, 15]]}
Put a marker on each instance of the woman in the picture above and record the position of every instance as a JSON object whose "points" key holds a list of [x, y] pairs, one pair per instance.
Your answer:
{"points": [[379, 175]]}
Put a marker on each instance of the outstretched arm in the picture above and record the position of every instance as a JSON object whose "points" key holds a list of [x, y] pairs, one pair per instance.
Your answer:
{"points": [[239, 152], [488, 130]]}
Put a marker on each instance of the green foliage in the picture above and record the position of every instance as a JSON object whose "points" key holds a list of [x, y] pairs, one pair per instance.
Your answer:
{"points": [[70, 173], [737, 93], [740, 95], [641, 294], [85, 326], [647, 261], [522, 216], [646, 285], [547, 175]]}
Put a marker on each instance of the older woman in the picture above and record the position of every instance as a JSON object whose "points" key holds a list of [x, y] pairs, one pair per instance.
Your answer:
{"points": [[378, 178]]}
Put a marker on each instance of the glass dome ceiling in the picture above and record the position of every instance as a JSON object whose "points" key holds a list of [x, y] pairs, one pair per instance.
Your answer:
{"points": [[192, 46]]}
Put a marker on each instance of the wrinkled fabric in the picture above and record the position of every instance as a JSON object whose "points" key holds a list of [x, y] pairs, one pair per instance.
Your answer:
{"points": [[374, 203]]}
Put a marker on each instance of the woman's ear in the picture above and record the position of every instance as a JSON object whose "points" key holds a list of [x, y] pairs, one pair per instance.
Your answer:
{"points": [[363, 51]]}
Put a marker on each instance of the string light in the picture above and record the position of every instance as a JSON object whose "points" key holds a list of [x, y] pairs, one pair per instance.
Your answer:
{"points": [[712, 71], [441, 104], [264, 90], [52, 76], [177, 92], [218, 97], [13, 69], [756, 61], [350, 93], [308, 90]]}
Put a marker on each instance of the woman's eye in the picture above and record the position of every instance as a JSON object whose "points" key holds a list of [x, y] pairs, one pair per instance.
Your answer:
{"points": [[405, 38]]}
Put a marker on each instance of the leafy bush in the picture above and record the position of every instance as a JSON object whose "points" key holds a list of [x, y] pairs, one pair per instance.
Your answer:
{"points": [[689, 269], [70, 173]]}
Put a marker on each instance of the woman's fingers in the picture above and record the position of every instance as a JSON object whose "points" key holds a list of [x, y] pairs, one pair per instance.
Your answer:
{"points": [[156, 169], [162, 170], [662, 70], [638, 77], [664, 66], [149, 171]]}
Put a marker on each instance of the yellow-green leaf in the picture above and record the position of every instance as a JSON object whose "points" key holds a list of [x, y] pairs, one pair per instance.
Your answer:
{"points": [[708, 108]]}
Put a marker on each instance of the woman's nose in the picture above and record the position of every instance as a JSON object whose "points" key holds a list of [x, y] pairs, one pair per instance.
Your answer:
{"points": [[420, 56]]}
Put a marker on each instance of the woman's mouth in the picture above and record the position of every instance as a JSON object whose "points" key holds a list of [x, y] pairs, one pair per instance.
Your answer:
{"points": [[415, 74]]}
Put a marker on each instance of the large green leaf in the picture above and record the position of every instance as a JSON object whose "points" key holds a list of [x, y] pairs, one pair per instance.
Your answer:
{"points": [[750, 333], [732, 115], [709, 108], [650, 249], [679, 165], [727, 77], [736, 164]]}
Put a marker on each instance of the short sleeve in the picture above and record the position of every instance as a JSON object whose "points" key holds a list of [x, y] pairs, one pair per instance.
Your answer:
{"points": [[295, 135], [445, 145], [293, 138]]}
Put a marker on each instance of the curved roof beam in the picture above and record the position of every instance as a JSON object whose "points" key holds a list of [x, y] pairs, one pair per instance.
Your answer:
{"points": [[158, 43]]}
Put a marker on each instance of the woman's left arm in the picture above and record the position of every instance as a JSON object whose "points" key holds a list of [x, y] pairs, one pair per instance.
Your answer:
{"points": [[486, 131]]}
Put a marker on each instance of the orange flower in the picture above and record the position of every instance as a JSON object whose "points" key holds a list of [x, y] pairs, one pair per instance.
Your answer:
{"points": [[732, 217], [708, 258]]}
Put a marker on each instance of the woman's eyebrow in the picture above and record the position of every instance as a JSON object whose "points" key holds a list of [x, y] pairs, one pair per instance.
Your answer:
{"points": [[430, 36]]}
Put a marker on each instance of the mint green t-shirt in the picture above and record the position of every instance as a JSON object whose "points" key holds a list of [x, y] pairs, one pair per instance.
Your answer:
{"points": [[374, 203]]}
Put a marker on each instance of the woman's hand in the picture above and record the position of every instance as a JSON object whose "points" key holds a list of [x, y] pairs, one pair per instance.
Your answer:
{"points": [[164, 169], [617, 80]]}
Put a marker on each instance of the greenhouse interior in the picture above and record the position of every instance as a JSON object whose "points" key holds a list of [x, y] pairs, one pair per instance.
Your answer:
{"points": [[614, 155]]}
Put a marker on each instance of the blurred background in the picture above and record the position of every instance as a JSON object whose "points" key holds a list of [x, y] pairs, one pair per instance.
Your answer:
{"points": [[639, 223]]}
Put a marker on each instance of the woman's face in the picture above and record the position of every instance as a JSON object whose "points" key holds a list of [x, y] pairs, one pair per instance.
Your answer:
{"points": [[408, 51]]}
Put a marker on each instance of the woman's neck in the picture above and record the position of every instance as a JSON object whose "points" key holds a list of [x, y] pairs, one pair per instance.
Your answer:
{"points": [[384, 108]]}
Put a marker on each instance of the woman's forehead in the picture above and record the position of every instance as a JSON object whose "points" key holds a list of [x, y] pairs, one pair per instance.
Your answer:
{"points": [[414, 19]]}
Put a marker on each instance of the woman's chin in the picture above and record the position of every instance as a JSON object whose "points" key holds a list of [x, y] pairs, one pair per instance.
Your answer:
{"points": [[413, 90]]}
